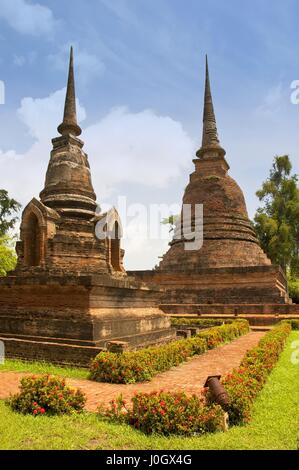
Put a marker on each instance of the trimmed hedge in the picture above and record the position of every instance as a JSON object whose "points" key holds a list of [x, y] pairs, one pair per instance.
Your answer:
{"points": [[199, 322], [167, 413], [142, 365], [244, 384]]}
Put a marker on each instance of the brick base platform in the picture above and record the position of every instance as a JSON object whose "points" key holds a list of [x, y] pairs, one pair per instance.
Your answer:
{"points": [[69, 319], [221, 310], [261, 285], [55, 353]]}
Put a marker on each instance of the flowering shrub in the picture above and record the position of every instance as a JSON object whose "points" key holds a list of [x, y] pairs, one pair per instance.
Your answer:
{"points": [[46, 395], [167, 413], [221, 334], [244, 383], [140, 366]]}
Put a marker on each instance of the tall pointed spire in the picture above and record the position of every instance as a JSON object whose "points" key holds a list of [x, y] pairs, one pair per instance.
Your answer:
{"points": [[70, 124], [210, 139]]}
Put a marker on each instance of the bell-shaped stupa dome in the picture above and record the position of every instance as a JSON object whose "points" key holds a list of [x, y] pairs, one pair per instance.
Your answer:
{"points": [[229, 239]]}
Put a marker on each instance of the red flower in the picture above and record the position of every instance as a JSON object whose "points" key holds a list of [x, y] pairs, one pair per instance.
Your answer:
{"points": [[35, 412], [42, 411]]}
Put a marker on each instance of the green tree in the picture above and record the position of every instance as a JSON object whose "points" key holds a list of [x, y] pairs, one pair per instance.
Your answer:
{"points": [[8, 209], [8, 218], [8, 257], [171, 221], [277, 222]]}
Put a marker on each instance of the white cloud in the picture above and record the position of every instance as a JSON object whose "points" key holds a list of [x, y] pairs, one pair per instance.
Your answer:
{"points": [[19, 60], [124, 148], [142, 148], [273, 101], [121, 9], [27, 18], [142, 253], [41, 116], [89, 66]]}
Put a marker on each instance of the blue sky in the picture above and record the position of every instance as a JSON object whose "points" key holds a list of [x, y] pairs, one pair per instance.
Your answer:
{"points": [[139, 74]]}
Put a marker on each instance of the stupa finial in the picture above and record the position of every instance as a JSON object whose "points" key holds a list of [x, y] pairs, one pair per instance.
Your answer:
{"points": [[210, 139], [70, 124]]}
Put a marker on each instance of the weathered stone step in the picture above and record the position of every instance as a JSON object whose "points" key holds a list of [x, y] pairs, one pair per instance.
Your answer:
{"points": [[261, 328]]}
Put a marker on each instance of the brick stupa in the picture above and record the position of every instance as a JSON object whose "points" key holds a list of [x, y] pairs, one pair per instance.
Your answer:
{"points": [[69, 296], [231, 268]]}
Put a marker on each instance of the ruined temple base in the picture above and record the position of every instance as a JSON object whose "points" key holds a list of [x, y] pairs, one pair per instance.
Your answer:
{"points": [[257, 293], [232, 286], [70, 319]]}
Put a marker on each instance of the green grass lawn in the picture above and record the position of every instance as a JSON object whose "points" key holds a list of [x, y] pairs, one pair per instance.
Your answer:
{"points": [[43, 368], [275, 424]]}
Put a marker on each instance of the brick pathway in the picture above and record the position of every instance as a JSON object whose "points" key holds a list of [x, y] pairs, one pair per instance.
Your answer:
{"points": [[189, 377]]}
